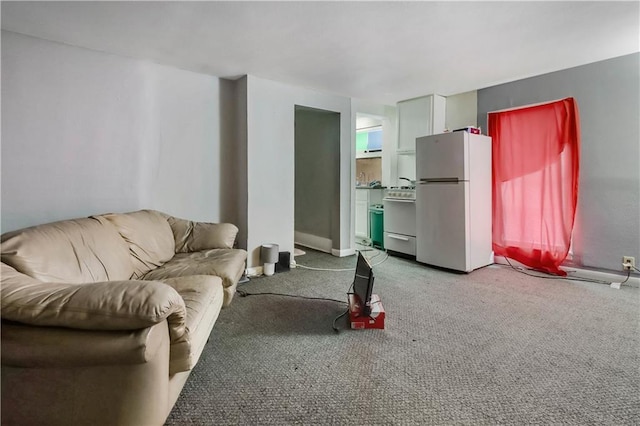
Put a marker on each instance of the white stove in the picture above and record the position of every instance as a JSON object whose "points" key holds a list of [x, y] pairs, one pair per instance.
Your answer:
{"points": [[400, 220]]}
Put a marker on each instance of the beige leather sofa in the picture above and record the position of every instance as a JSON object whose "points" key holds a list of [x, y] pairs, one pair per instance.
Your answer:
{"points": [[104, 317]]}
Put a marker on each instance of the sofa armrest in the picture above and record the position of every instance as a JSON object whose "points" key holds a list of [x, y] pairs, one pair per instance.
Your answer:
{"points": [[30, 346], [193, 236], [110, 305]]}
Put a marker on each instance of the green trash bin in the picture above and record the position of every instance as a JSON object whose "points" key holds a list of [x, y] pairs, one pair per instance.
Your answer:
{"points": [[376, 225]]}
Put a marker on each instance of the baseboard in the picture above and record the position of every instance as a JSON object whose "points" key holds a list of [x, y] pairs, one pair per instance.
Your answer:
{"points": [[313, 241], [589, 274], [321, 244], [343, 252]]}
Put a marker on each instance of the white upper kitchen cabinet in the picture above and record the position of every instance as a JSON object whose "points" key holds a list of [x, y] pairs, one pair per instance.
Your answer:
{"points": [[419, 117]]}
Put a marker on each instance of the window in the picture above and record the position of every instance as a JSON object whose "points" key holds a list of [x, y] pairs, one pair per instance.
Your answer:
{"points": [[535, 182], [369, 139]]}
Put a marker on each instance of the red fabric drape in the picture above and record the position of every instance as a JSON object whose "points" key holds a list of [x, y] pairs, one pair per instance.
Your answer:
{"points": [[535, 182]]}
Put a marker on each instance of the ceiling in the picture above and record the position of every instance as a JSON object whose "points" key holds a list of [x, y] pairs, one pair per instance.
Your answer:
{"points": [[378, 51]]}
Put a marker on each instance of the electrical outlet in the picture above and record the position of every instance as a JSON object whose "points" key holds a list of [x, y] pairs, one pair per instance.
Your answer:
{"points": [[628, 262]]}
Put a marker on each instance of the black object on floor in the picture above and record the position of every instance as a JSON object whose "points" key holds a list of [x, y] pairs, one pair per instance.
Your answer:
{"points": [[284, 260]]}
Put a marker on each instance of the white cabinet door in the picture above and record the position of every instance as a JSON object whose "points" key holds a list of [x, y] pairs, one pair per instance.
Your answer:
{"points": [[362, 217], [419, 117], [414, 120]]}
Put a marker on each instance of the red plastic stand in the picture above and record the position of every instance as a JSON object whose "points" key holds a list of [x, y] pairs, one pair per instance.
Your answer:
{"points": [[375, 318]]}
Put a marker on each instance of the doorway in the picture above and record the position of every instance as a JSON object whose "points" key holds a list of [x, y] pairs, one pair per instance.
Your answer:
{"points": [[317, 178], [369, 142]]}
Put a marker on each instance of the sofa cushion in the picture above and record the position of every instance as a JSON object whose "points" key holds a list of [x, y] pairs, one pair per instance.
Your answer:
{"points": [[69, 251], [203, 297], [228, 264], [193, 236], [149, 237]]}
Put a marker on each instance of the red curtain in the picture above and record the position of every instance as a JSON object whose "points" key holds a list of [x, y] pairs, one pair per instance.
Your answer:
{"points": [[535, 182]]}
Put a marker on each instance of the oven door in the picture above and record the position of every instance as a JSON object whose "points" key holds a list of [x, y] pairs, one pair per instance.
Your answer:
{"points": [[400, 216]]}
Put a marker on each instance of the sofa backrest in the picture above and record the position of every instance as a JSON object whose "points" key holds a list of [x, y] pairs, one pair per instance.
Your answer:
{"points": [[149, 237], [70, 251]]}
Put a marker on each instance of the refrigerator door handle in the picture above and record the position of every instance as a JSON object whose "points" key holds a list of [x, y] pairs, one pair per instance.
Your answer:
{"points": [[424, 181]]}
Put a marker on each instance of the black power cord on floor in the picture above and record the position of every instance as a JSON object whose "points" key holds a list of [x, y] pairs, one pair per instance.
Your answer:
{"points": [[243, 293], [554, 277], [626, 279], [337, 318]]}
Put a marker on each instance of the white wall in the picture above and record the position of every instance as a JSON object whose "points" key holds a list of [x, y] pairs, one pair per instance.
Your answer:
{"points": [[271, 163], [85, 132], [181, 158]]}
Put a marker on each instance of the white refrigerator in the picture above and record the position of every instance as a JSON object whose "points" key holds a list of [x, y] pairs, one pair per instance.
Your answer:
{"points": [[453, 201]]}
